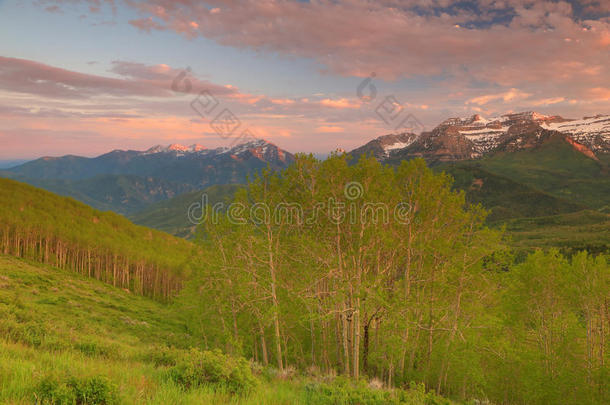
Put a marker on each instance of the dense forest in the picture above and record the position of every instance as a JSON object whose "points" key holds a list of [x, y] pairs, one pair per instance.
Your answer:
{"points": [[368, 270], [41, 226]]}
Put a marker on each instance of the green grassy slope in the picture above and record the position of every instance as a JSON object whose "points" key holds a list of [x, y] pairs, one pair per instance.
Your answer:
{"points": [[57, 326], [550, 196], [558, 169], [505, 198], [171, 215]]}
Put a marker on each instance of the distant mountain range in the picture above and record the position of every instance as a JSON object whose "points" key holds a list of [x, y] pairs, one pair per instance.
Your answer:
{"points": [[128, 181], [518, 165]]}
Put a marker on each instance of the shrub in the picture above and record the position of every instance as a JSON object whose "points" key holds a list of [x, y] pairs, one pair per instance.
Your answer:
{"points": [[214, 369], [94, 390], [160, 357]]}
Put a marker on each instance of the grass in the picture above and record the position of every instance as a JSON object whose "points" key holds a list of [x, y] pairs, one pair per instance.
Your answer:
{"points": [[90, 338]]}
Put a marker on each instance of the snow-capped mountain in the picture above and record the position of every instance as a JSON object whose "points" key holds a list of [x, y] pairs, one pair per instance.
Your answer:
{"points": [[175, 148], [476, 136], [383, 146], [259, 148], [593, 132], [160, 170]]}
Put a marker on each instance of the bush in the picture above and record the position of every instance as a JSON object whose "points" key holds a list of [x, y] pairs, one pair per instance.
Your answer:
{"points": [[215, 369], [160, 357], [94, 390]]}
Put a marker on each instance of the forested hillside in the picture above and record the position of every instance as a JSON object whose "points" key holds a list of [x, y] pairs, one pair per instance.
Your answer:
{"points": [[41, 226], [308, 276]]}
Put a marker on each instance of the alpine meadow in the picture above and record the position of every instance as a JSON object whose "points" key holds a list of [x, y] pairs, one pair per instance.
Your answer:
{"points": [[305, 202]]}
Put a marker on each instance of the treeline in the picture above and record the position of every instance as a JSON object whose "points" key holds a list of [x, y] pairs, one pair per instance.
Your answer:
{"points": [[41, 226], [387, 272]]}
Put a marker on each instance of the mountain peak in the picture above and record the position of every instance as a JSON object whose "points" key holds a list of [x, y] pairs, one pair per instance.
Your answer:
{"points": [[472, 137], [383, 146], [175, 147]]}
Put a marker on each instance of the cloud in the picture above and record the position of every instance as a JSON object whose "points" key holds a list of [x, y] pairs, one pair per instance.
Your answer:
{"points": [[510, 95], [26, 76], [599, 93], [509, 42], [146, 24], [327, 129], [548, 101], [340, 103]]}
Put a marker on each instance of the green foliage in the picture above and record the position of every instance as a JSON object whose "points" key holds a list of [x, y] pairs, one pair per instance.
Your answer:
{"points": [[94, 390], [213, 368]]}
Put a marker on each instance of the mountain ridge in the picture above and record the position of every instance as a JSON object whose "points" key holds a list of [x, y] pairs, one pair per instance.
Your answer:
{"points": [[457, 139]]}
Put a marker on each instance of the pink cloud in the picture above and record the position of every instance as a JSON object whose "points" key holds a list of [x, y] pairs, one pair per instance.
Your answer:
{"points": [[357, 37], [340, 103], [329, 129], [146, 24], [599, 93], [510, 95], [26, 76]]}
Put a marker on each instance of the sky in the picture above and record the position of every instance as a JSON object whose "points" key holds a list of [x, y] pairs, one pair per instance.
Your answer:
{"points": [[88, 77]]}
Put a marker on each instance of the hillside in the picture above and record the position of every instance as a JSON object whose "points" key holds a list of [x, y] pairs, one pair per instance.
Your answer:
{"points": [[171, 215], [557, 168], [64, 337], [123, 194], [505, 198], [60, 231]]}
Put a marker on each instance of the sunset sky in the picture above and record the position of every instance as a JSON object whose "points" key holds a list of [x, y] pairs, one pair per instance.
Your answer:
{"points": [[84, 78]]}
